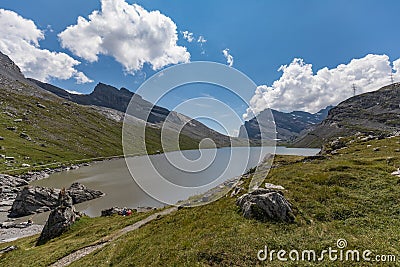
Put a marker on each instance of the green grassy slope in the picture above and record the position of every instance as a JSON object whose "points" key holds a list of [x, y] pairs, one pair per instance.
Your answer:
{"points": [[60, 132], [350, 195]]}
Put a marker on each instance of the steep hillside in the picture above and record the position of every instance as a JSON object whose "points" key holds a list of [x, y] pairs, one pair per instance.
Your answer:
{"points": [[376, 113], [38, 127], [289, 126]]}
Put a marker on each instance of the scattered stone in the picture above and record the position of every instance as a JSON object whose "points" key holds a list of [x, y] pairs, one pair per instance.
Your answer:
{"points": [[2, 156], [265, 204], [1, 138], [60, 219], [11, 128], [9, 158], [274, 187], [376, 149], [397, 173], [25, 165], [368, 138], [18, 120], [40, 106], [11, 181], [25, 136], [8, 249]]}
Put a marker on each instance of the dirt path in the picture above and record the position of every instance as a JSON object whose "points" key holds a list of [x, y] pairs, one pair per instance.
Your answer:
{"points": [[67, 260]]}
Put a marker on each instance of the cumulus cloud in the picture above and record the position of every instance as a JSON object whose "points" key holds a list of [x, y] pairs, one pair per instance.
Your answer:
{"points": [[19, 39], [129, 33], [188, 36], [300, 89], [228, 56]]}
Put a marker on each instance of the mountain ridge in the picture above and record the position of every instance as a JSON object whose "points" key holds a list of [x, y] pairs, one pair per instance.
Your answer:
{"points": [[289, 126], [372, 113]]}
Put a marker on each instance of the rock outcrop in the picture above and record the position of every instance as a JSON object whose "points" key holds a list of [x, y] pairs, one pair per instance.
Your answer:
{"points": [[36, 199], [266, 204], [80, 193], [60, 219]]}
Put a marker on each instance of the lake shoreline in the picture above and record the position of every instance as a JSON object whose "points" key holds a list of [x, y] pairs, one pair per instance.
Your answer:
{"points": [[30, 177]]}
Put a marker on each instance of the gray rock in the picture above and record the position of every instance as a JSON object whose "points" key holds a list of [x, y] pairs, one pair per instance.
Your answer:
{"points": [[111, 211], [1, 138], [40, 105], [36, 199], [264, 205], [33, 199], [25, 136], [274, 187], [8, 249], [80, 193], [11, 181], [60, 219]]}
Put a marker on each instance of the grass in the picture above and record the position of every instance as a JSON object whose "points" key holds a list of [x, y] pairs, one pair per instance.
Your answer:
{"points": [[61, 133], [83, 233], [350, 195]]}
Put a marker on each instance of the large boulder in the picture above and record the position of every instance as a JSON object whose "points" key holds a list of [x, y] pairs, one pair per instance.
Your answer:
{"points": [[33, 199], [266, 204], [80, 193], [36, 199], [60, 219]]}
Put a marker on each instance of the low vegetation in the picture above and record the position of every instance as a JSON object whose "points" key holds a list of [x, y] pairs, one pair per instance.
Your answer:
{"points": [[348, 195], [51, 132]]}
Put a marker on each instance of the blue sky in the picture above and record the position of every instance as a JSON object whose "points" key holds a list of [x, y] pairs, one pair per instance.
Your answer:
{"points": [[261, 37]]}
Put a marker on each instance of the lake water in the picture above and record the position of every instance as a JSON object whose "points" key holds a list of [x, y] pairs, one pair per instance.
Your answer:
{"points": [[196, 172]]}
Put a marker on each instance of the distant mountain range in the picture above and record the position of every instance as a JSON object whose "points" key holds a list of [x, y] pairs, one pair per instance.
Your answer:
{"points": [[289, 126]]}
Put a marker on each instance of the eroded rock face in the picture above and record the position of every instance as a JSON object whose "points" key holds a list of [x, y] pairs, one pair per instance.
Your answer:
{"points": [[60, 219], [36, 199], [264, 205]]}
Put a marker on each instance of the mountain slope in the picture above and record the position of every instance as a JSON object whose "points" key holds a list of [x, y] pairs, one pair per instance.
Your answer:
{"points": [[38, 127], [108, 96], [375, 113], [288, 125]]}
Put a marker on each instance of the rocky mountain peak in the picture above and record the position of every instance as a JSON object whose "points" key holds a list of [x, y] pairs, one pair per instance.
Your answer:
{"points": [[8, 67]]}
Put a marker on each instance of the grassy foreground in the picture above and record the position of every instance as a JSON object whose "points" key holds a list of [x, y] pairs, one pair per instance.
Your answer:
{"points": [[350, 195]]}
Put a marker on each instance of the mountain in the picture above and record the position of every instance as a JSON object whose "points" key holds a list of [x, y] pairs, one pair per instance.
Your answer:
{"points": [[38, 127], [289, 126], [376, 113], [110, 97]]}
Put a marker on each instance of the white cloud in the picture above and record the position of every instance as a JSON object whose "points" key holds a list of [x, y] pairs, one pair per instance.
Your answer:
{"points": [[228, 56], [188, 36], [19, 39], [129, 33], [201, 39], [300, 89]]}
